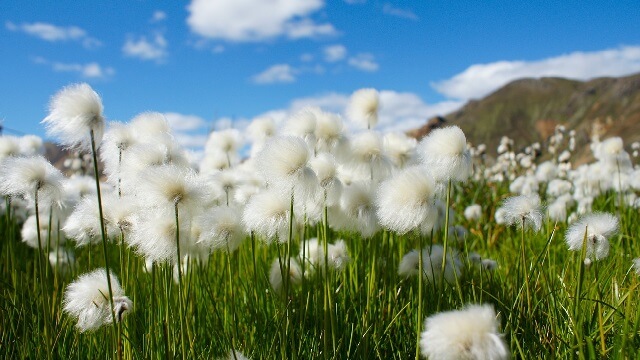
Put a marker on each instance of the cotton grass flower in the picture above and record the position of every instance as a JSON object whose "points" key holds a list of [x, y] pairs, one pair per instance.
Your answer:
{"points": [[31, 145], [329, 131], [524, 211], [9, 146], [473, 212], [444, 152], [337, 254], [597, 228], [432, 264], [86, 300], [303, 125], [222, 228], [267, 214], [277, 279], [24, 176], [363, 107], [636, 266], [153, 235], [75, 113], [171, 186], [283, 161], [467, 334], [405, 201]]}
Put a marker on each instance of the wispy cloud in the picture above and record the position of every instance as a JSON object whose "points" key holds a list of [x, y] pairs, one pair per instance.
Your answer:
{"points": [[364, 62], [279, 73], [91, 70], [398, 12], [334, 53], [158, 16], [256, 20], [54, 33], [154, 49], [481, 79]]}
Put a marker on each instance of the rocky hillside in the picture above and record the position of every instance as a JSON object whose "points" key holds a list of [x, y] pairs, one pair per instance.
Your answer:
{"points": [[527, 110]]}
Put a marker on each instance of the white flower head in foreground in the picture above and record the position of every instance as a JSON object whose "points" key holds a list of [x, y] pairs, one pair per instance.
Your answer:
{"points": [[363, 107], [87, 300], [405, 201], [468, 334], [598, 227], [283, 161], [267, 214], [75, 112], [117, 140], [24, 176], [445, 153], [153, 235], [170, 185], [523, 210], [222, 228]]}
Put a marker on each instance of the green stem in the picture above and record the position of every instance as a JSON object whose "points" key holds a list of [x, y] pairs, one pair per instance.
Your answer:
{"points": [[43, 289], [419, 317], [180, 298]]}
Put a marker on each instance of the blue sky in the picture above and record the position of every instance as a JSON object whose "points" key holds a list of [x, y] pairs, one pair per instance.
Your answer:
{"points": [[212, 64]]}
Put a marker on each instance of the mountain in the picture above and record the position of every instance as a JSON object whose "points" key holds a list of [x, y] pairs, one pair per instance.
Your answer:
{"points": [[527, 110]]}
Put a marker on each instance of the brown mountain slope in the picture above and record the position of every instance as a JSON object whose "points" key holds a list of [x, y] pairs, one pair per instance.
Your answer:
{"points": [[527, 110]]}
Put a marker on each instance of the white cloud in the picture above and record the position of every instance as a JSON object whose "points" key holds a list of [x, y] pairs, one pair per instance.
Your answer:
{"points": [[54, 33], [400, 111], [481, 79], [256, 20], [398, 12], [182, 122], [279, 73], [334, 53], [190, 131], [364, 62], [158, 16], [218, 49], [90, 70], [144, 49], [306, 57]]}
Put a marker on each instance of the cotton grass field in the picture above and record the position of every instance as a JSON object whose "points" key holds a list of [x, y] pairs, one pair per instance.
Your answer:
{"points": [[301, 241]]}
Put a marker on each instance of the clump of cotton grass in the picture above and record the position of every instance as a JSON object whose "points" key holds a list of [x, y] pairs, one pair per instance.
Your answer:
{"points": [[48, 232], [357, 210], [32, 178], [9, 146], [363, 107], [151, 128], [473, 212], [596, 228], [470, 333], [636, 266], [259, 131], [153, 234], [337, 256], [118, 140], [366, 156], [303, 125], [405, 201], [222, 228], [432, 265], [267, 214], [75, 117], [278, 268], [329, 132], [86, 300], [523, 211], [30, 145], [283, 162], [400, 148], [325, 167], [225, 142], [171, 187], [61, 259], [445, 153]]}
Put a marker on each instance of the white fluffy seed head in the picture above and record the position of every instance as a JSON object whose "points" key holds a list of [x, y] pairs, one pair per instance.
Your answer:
{"points": [[303, 125], [444, 151], [468, 334], [329, 131], [283, 160], [473, 212], [226, 141], [50, 234], [267, 214], [523, 208], [118, 139], [405, 201], [9, 146], [74, 112], [222, 228], [30, 145], [363, 107], [357, 209], [261, 129], [400, 148], [23, 176], [87, 300], [153, 235], [151, 127], [432, 264], [169, 185], [276, 277], [597, 227]]}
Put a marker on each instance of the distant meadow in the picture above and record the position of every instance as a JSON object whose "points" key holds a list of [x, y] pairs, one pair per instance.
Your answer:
{"points": [[311, 239]]}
